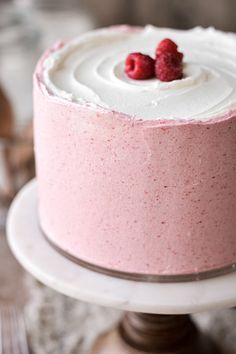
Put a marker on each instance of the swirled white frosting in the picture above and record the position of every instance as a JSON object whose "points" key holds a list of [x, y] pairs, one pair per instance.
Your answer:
{"points": [[90, 70]]}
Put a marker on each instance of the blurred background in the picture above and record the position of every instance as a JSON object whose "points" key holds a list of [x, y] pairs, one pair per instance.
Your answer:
{"points": [[167, 13], [27, 28]]}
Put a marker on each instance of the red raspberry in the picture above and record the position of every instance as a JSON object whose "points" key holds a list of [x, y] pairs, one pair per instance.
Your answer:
{"points": [[168, 67], [168, 46], [139, 66]]}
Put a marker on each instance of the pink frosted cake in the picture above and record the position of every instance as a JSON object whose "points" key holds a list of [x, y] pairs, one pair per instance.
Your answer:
{"points": [[139, 176]]}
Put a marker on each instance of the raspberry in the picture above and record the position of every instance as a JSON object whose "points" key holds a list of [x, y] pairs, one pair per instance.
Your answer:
{"points": [[139, 66], [168, 67], [168, 46]]}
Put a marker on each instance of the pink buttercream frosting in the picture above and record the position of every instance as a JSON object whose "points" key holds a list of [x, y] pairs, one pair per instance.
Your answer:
{"points": [[138, 196]]}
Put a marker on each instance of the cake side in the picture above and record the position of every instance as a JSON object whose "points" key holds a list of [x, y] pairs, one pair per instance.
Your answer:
{"points": [[137, 196]]}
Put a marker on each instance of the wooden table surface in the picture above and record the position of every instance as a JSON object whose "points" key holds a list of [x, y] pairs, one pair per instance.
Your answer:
{"points": [[11, 276]]}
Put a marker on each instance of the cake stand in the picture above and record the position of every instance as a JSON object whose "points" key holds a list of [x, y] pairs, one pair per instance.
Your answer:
{"points": [[157, 316]]}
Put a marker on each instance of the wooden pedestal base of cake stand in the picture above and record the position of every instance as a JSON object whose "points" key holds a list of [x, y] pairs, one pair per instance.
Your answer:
{"points": [[156, 320], [159, 334]]}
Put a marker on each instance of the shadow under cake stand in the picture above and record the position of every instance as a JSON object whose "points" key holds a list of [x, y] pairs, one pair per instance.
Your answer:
{"points": [[157, 316]]}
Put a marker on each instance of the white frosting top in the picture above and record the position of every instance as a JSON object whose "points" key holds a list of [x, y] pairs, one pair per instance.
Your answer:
{"points": [[90, 70]]}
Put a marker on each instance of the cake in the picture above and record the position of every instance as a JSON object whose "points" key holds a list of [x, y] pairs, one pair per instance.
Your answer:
{"points": [[138, 177]]}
